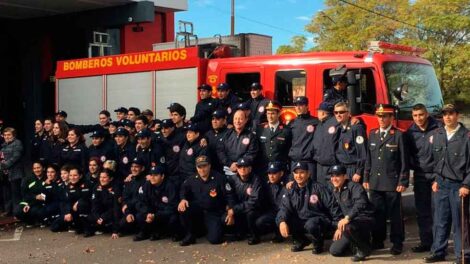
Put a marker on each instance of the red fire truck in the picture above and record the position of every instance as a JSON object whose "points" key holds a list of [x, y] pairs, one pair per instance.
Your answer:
{"points": [[155, 79]]}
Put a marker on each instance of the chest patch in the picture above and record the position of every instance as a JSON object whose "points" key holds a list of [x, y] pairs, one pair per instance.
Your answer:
{"points": [[313, 199]]}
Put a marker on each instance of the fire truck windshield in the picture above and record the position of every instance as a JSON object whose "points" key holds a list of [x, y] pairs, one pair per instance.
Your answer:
{"points": [[410, 84]]}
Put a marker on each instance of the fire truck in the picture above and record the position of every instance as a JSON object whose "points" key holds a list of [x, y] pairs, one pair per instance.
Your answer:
{"points": [[385, 73]]}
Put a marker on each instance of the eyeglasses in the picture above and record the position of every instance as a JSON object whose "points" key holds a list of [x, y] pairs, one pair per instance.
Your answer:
{"points": [[339, 112]]}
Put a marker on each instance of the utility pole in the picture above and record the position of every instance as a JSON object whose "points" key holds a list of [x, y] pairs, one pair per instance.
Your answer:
{"points": [[232, 19]]}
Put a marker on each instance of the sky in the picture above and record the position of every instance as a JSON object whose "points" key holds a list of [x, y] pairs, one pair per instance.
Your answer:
{"points": [[281, 19]]}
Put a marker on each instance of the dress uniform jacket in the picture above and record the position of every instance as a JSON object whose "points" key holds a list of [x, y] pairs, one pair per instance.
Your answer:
{"points": [[387, 162], [303, 129], [237, 146], [274, 146], [352, 147]]}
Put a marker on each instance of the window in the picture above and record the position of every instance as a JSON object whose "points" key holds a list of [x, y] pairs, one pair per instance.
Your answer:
{"points": [[240, 83], [289, 85]]}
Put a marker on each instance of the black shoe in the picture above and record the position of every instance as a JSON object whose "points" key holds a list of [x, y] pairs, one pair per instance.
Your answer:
{"points": [[176, 238], [187, 240], [377, 245], [434, 258], [299, 246], [358, 257], [396, 249], [420, 248], [254, 240], [155, 237], [317, 247], [277, 238], [89, 234], [140, 237], [78, 231]]}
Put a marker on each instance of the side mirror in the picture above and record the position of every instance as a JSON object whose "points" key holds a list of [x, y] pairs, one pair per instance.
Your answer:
{"points": [[400, 92]]}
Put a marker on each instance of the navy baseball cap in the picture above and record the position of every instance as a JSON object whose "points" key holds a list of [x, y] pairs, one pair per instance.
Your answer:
{"points": [[138, 161], [274, 167], [301, 100], [242, 162], [143, 133], [159, 169], [205, 87], [256, 86], [220, 113], [336, 79], [324, 106], [121, 110], [97, 134], [193, 127], [300, 165], [167, 123], [61, 113], [122, 132], [337, 170], [223, 86], [243, 106], [127, 122]]}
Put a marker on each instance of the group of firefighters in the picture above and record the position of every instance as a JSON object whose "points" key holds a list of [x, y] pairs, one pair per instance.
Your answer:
{"points": [[235, 171]]}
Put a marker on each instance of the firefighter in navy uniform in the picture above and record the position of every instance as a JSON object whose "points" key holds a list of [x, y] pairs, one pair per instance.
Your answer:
{"points": [[249, 193], [204, 108], [351, 150], [386, 176], [178, 115], [150, 152], [451, 186], [227, 101], [419, 136], [215, 138], [338, 92], [275, 189], [307, 208], [157, 207], [172, 143], [188, 154], [125, 153], [354, 228], [100, 148], [303, 129], [257, 105], [275, 139], [205, 199]]}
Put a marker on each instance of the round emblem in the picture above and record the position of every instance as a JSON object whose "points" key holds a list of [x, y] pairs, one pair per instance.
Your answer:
{"points": [[246, 141], [313, 199], [176, 148], [189, 152], [165, 199], [261, 109], [103, 158], [228, 187], [430, 139], [331, 130], [229, 110], [125, 160], [213, 193], [162, 159], [249, 190], [359, 140], [310, 128]]}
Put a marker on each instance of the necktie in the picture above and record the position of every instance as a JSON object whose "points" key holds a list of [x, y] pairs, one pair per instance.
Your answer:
{"points": [[382, 136], [272, 129]]}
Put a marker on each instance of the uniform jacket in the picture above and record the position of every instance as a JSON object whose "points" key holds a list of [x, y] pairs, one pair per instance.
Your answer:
{"points": [[130, 193], [258, 111], [325, 140], [353, 201], [249, 194], [351, 149], [202, 114], [303, 129], [215, 146], [237, 146], [124, 156], [76, 155], [187, 159], [30, 187], [172, 147], [105, 204], [79, 192], [161, 199], [274, 146]]}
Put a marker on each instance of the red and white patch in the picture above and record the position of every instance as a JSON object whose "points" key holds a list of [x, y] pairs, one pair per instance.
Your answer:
{"points": [[165, 199], [331, 130], [103, 158], [229, 110], [310, 128], [430, 139], [313, 199], [261, 109], [125, 160], [249, 190], [189, 152], [246, 141], [176, 148]]}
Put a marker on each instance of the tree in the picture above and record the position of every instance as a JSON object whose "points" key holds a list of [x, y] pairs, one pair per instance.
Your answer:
{"points": [[442, 27], [298, 45]]}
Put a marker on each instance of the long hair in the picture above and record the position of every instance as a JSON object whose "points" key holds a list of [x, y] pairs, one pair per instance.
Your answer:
{"points": [[81, 138]]}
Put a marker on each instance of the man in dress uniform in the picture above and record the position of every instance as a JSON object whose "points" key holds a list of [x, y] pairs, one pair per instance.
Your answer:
{"points": [[257, 104], [419, 136], [386, 176], [352, 141], [275, 139], [451, 186], [354, 228], [204, 108]]}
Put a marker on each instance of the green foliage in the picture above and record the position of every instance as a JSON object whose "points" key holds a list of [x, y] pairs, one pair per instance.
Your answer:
{"points": [[442, 27]]}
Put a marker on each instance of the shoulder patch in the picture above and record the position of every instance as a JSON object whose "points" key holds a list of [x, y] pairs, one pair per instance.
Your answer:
{"points": [[359, 139]]}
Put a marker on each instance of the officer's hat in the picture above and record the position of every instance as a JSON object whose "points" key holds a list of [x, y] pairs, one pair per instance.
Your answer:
{"points": [[193, 127], [167, 123], [202, 160], [138, 161], [61, 113], [143, 133], [256, 86], [382, 109], [301, 100], [274, 167], [97, 134], [324, 106], [449, 108], [121, 110], [178, 108], [157, 170], [219, 113], [242, 162], [128, 123], [223, 86], [300, 165], [242, 106], [273, 105], [122, 132], [337, 170], [205, 87]]}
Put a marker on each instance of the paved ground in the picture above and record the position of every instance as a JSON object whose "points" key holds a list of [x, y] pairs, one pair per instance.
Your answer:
{"points": [[38, 245]]}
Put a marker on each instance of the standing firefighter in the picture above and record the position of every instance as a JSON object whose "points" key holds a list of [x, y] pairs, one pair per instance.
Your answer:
{"points": [[386, 176]]}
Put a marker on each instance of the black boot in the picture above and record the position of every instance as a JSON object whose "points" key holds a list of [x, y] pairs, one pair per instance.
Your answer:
{"points": [[187, 240], [141, 236]]}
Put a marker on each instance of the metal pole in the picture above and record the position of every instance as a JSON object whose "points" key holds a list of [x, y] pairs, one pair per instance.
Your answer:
{"points": [[232, 19], [462, 229]]}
